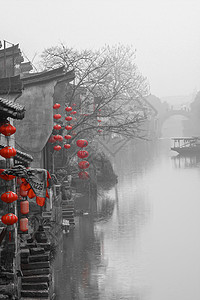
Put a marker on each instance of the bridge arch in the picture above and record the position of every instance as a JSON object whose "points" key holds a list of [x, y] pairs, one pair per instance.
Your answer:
{"points": [[171, 113]]}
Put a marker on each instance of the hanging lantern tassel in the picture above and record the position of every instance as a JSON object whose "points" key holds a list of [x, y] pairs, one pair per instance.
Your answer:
{"points": [[10, 236]]}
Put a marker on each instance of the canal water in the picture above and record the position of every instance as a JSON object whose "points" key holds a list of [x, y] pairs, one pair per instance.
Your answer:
{"points": [[144, 244]]}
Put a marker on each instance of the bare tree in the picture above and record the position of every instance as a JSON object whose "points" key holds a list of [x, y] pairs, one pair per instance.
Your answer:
{"points": [[108, 87]]}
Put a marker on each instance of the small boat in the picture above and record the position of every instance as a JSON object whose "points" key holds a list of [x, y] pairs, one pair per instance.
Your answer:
{"points": [[186, 145]]}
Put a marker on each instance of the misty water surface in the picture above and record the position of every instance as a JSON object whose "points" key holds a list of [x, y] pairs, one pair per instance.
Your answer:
{"points": [[145, 244]]}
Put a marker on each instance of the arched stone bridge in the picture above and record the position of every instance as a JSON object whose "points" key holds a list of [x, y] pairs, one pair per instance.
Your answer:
{"points": [[170, 113], [175, 112]]}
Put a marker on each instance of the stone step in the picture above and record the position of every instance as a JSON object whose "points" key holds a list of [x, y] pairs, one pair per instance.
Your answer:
{"points": [[34, 294], [45, 271], [36, 278], [37, 258], [67, 209], [24, 252], [36, 251], [67, 214], [71, 223], [35, 286], [35, 265], [45, 246]]}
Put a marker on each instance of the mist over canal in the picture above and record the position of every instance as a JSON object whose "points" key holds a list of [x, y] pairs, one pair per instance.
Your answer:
{"points": [[145, 243]]}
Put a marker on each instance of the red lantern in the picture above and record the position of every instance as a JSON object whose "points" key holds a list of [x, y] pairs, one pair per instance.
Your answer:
{"points": [[58, 137], [8, 152], [7, 129], [82, 154], [9, 219], [74, 104], [6, 177], [67, 146], [56, 106], [99, 121], [57, 116], [68, 118], [57, 127], [67, 137], [83, 175], [24, 207], [99, 109], [82, 143], [40, 201], [73, 112], [69, 108], [99, 130], [68, 127], [52, 140], [57, 148], [73, 133], [9, 197], [84, 164], [22, 192], [23, 224]]}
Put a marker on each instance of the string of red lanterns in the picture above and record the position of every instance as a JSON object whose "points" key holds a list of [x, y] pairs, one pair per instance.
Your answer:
{"points": [[68, 127], [84, 164], [56, 137], [7, 152]]}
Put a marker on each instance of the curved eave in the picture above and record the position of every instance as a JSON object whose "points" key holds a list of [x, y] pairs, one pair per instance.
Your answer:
{"points": [[43, 77]]}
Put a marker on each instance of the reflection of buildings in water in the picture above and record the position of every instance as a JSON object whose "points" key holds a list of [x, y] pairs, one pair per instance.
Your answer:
{"points": [[180, 162]]}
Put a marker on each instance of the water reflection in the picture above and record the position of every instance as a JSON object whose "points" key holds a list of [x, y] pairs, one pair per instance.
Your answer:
{"points": [[192, 161], [143, 243]]}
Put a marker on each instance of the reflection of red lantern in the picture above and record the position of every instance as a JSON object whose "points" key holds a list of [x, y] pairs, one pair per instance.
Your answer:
{"points": [[57, 148], [68, 118], [9, 197], [83, 175], [7, 129], [23, 224], [6, 177], [84, 164], [82, 154], [67, 146], [68, 108], [58, 137], [9, 219], [52, 140], [57, 127], [24, 207], [68, 127], [57, 116], [56, 106], [73, 112], [67, 137], [82, 143], [8, 152]]}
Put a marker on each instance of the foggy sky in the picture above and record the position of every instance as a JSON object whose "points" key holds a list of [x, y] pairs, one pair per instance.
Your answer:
{"points": [[165, 33]]}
